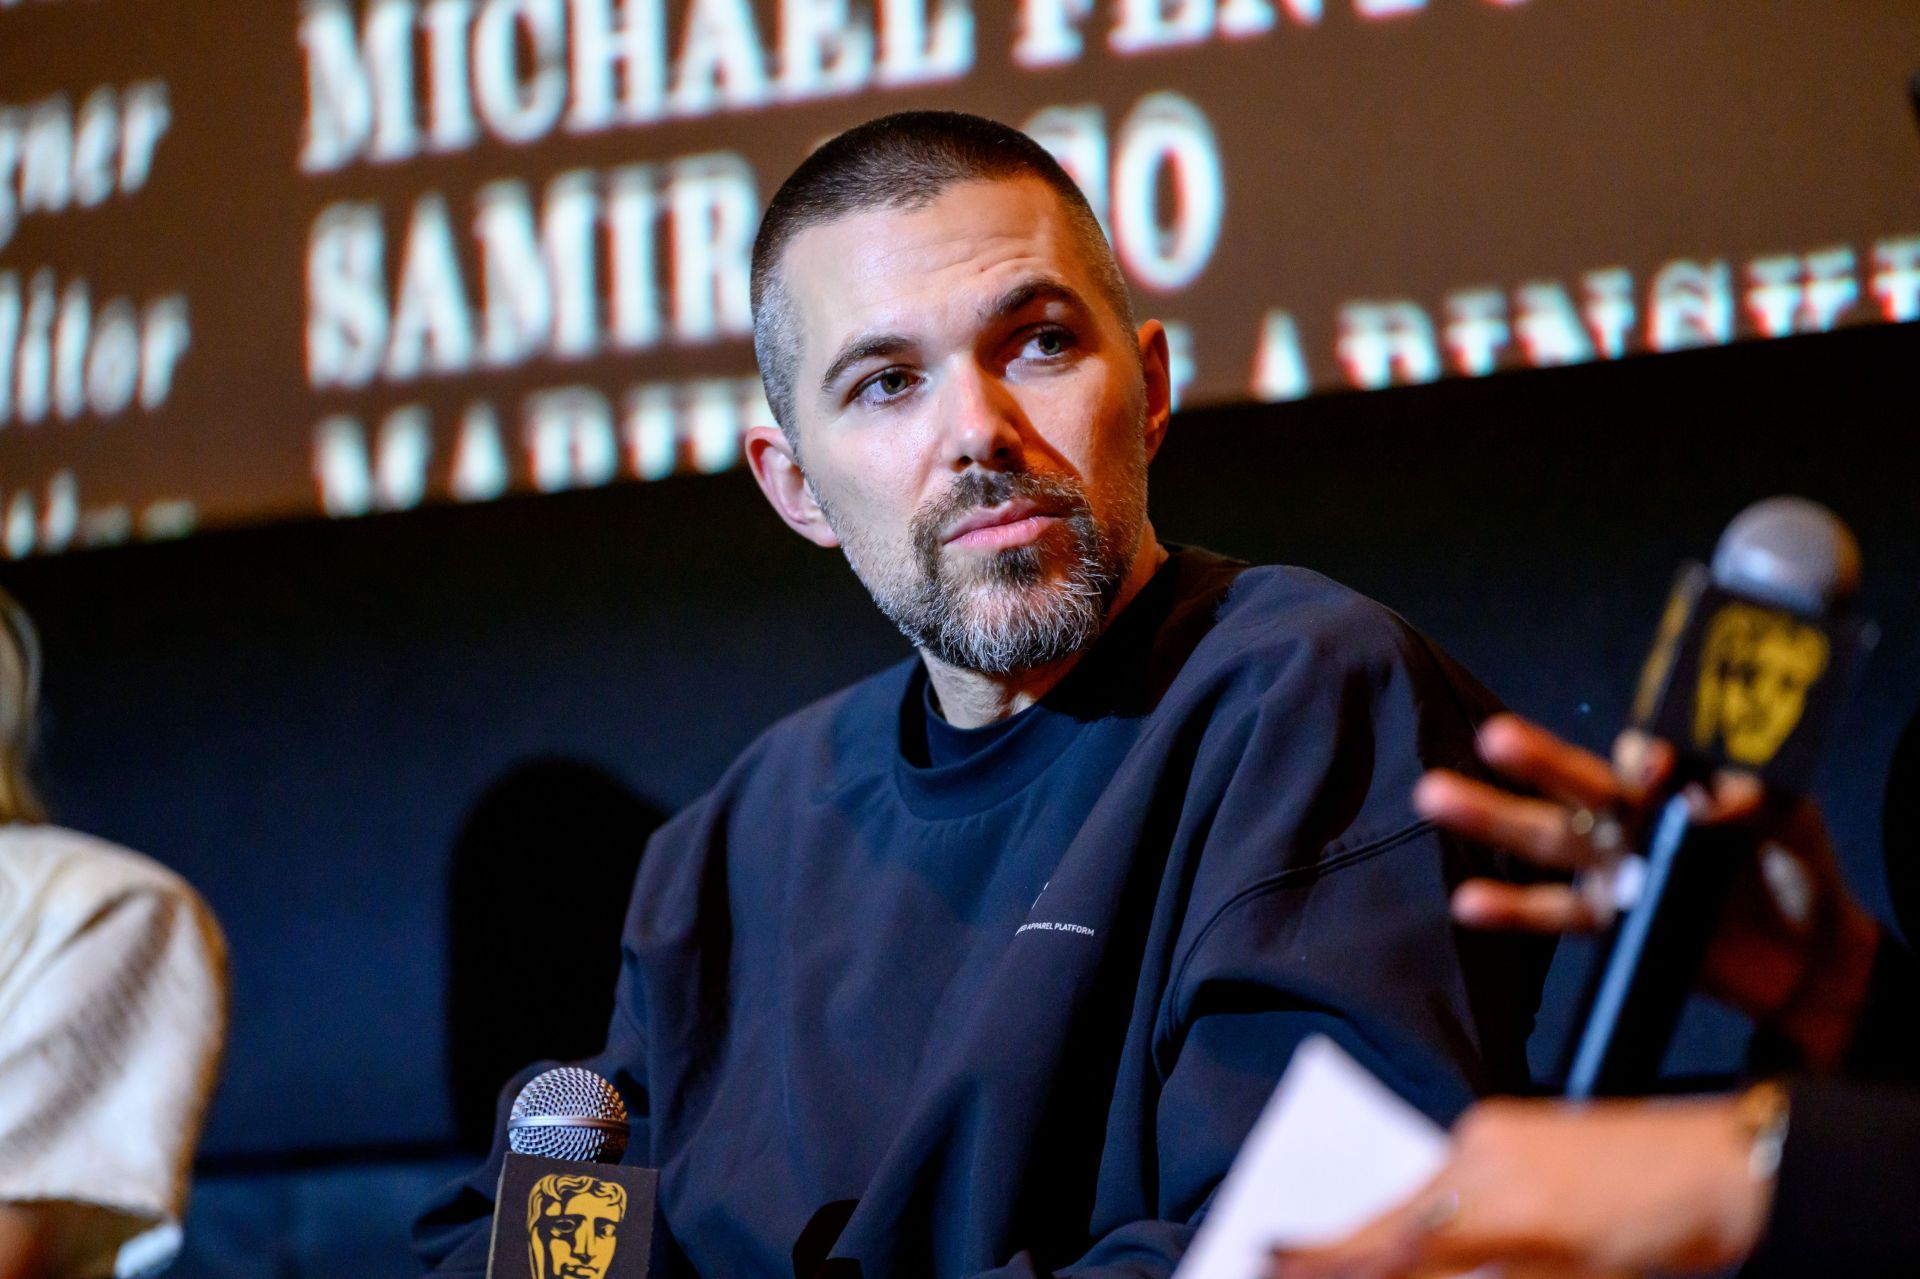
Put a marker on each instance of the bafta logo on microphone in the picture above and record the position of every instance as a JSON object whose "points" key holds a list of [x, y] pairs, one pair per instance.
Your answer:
{"points": [[581, 1220], [573, 1226]]}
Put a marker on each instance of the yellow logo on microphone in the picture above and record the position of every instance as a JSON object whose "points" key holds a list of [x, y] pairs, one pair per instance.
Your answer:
{"points": [[1756, 666], [573, 1225]]}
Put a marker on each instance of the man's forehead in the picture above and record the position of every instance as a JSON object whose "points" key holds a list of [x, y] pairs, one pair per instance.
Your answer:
{"points": [[874, 262]]}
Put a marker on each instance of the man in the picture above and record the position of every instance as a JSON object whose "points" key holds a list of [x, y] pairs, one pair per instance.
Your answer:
{"points": [[573, 1226], [984, 966]]}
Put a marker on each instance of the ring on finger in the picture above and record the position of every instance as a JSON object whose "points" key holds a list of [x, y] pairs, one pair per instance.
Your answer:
{"points": [[1601, 831], [1438, 1213]]}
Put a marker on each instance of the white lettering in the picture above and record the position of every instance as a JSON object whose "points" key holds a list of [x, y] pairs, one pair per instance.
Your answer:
{"points": [[430, 328], [96, 141], [34, 363], [1609, 310], [633, 207], [479, 461], [824, 48], [1549, 326], [1692, 306], [1077, 138], [360, 97], [518, 106], [653, 444], [722, 63], [147, 119], [113, 365], [910, 53], [46, 157], [346, 287], [450, 122], [1144, 25], [715, 213], [1476, 329], [1279, 366], [1896, 281], [570, 440], [9, 337], [9, 165], [1773, 297], [70, 336], [635, 43], [1167, 134], [1384, 342], [1050, 32], [1375, 10], [352, 484], [1832, 287], [164, 336]]}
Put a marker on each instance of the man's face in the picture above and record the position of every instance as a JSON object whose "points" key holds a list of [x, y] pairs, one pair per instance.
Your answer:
{"points": [[974, 420], [576, 1239]]}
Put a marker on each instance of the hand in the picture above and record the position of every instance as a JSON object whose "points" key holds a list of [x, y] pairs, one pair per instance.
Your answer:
{"points": [[1793, 948], [24, 1236], [1551, 1189]]}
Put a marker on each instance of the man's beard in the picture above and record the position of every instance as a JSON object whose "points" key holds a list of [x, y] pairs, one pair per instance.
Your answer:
{"points": [[1006, 612]]}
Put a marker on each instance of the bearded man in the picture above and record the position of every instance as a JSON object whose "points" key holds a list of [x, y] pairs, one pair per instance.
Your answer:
{"points": [[985, 965]]}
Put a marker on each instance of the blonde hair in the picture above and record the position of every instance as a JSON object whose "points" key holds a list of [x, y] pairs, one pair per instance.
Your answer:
{"points": [[19, 712]]}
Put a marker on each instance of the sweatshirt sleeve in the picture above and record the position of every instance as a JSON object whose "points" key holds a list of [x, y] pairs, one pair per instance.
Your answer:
{"points": [[1319, 906], [1267, 975]]}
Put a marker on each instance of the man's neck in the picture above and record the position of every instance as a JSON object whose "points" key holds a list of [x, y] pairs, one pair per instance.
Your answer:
{"points": [[970, 699]]}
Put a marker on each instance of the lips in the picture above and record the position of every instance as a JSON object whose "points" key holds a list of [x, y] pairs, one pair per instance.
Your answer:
{"points": [[979, 525]]}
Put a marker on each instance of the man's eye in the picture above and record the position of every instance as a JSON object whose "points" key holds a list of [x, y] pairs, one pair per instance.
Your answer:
{"points": [[1049, 343], [888, 384]]}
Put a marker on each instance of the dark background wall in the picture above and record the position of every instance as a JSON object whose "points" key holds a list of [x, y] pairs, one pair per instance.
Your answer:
{"points": [[301, 718]]}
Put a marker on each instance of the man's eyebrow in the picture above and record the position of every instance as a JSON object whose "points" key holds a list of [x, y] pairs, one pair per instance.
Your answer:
{"points": [[1012, 302], [1023, 295], [864, 348]]}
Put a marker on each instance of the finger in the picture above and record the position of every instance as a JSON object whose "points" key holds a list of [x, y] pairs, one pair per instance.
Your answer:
{"points": [[1539, 908], [1727, 799], [1642, 763], [1532, 828], [1388, 1248], [1530, 755]]}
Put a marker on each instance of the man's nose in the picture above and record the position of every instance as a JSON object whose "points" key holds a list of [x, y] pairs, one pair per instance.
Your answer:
{"points": [[981, 421]]}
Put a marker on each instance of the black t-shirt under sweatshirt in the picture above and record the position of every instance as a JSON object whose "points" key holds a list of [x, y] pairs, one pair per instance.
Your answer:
{"points": [[1014, 1014]]}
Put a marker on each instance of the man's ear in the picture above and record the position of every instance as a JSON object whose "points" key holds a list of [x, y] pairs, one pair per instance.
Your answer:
{"points": [[777, 471], [1154, 365]]}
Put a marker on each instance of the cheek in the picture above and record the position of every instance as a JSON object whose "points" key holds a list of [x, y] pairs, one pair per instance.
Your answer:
{"points": [[871, 492]]}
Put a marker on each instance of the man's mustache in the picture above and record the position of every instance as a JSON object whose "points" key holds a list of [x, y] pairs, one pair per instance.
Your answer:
{"points": [[979, 489]]}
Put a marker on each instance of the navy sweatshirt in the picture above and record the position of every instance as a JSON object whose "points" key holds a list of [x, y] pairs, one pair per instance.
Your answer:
{"points": [[1012, 1014]]}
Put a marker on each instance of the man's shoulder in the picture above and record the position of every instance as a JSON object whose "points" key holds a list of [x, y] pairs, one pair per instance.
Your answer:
{"points": [[1291, 618], [1294, 644]]}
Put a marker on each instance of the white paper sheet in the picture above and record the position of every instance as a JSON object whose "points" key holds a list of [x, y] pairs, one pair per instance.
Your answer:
{"points": [[1333, 1149]]}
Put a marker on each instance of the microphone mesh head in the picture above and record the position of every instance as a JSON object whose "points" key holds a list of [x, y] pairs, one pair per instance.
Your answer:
{"points": [[569, 1113], [1790, 552]]}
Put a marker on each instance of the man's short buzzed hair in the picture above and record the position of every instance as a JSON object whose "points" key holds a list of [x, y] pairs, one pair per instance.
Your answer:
{"points": [[902, 161]]}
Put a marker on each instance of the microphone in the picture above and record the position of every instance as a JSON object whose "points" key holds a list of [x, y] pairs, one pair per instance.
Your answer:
{"points": [[562, 1210], [569, 1113], [1749, 670]]}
